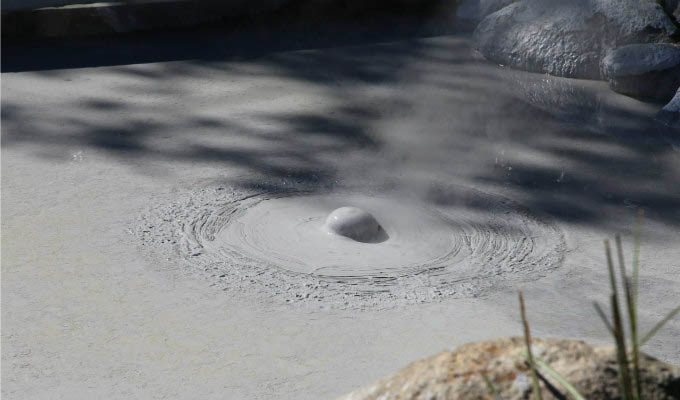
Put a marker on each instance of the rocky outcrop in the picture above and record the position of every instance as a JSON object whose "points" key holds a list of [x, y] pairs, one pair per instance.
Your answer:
{"points": [[670, 114], [671, 6], [568, 37], [649, 71], [459, 374]]}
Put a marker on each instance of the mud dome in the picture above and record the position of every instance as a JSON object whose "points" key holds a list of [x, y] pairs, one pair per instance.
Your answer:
{"points": [[355, 224], [457, 242]]}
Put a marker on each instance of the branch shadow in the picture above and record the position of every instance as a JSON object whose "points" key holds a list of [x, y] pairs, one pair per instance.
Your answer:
{"points": [[302, 102]]}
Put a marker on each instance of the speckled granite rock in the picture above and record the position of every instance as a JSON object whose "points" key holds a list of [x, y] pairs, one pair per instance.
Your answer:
{"points": [[650, 71], [568, 37], [457, 374]]}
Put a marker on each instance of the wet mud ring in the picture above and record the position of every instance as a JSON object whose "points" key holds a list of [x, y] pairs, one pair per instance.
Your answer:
{"points": [[457, 242]]}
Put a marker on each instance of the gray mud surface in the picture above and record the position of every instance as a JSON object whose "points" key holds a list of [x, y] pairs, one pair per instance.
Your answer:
{"points": [[272, 245], [141, 131]]}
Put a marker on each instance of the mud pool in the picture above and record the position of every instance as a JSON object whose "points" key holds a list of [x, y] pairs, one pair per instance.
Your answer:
{"points": [[164, 203], [278, 244]]}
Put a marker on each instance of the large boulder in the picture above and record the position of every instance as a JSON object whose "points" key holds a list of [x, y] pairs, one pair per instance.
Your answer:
{"points": [[459, 374], [670, 114], [569, 37], [671, 6], [649, 70]]}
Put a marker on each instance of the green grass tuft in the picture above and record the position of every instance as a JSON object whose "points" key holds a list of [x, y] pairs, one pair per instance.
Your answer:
{"points": [[527, 342], [630, 380]]}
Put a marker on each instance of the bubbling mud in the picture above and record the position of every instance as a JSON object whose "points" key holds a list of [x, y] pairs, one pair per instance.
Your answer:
{"points": [[347, 249], [356, 224]]}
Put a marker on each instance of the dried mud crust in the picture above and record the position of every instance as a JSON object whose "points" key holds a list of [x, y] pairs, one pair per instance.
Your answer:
{"points": [[487, 241]]}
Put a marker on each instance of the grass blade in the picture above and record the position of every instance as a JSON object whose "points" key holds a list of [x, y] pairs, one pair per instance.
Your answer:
{"points": [[627, 291], [619, 336], [527, 341], [632, 316], [612, 276], [659, 325], [636, 256], [619, 253], [621, 357], [603, 316], [634, 296], [560, 379]]}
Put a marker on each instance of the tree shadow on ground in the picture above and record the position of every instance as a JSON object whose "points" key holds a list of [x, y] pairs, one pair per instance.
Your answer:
{"points": [[373, 99], [295, 27]]}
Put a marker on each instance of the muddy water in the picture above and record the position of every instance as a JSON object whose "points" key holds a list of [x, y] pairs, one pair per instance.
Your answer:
{"points": [[426, 127], [275, 244], [97, 304]]}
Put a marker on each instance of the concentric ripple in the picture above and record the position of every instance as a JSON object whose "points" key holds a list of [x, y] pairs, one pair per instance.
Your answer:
{"points": [[456, 242]]}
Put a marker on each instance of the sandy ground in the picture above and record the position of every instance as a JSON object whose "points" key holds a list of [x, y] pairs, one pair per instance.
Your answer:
{"points": [[89, 143]]}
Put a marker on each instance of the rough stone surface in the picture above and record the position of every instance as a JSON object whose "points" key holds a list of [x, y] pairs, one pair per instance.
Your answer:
{"points": [[670, 114], [643, 70], [458, 374], [30, 19], [568, 38]]}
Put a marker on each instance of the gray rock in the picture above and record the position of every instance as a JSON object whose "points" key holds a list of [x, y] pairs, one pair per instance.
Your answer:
{"points": [[568, 37], [473, 11], [649, 70], [671, 6], [459, 374], [670, 114]]}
